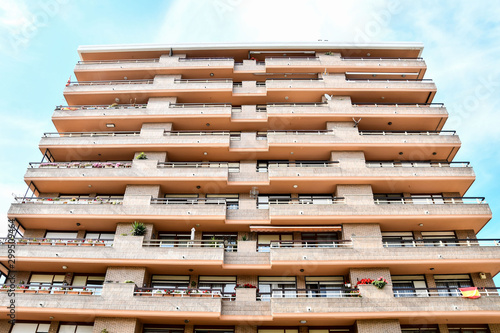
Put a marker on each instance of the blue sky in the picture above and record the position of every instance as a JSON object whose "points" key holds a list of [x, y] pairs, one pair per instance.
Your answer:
{"points": [[38, 42]]}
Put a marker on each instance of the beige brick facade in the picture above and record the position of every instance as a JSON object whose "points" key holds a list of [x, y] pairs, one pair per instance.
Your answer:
{"points": [[117, 325]]}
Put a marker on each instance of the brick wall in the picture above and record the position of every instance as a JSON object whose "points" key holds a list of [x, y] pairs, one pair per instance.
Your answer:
{"points": [[21, 276], [4, 326], [443, 328], [378, 326], [34, 233], [126, 228], [478, 282], [494, 328], [120, 274], [252, 279], [370, 273], [246, 329], [54, 327], [464, 234], [117, 325]]}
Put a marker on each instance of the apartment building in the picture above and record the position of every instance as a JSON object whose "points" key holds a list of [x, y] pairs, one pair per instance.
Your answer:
{"points": [[250, 188]]}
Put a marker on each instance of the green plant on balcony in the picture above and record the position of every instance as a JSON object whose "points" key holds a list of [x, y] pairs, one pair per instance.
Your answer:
{"points": [[380, 282], [138, 229], [329, 53], [104, 330], [142, 156], [128, 281]]}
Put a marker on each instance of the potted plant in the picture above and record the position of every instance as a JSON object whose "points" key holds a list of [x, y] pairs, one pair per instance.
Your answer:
{"points": [[85, 291], [71, 243], [60, 242], [99, 243], [168, 293], [45, 241], [158, 293], [59, 290], [194, 293], [4, 288], [22, 241], [34, 241], [87, 242], [207, 293], [72, 292], [138, 229], [44, 290], [380, 282], [29, 291], [177, 293], [142, 156]]}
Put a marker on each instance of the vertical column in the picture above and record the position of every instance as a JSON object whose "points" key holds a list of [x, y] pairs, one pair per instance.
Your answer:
{"points": [[54, 327], [120, 274], [140, 194], [363, 235], [355, 194], [368, 290], [377, 326], [117, 325]]}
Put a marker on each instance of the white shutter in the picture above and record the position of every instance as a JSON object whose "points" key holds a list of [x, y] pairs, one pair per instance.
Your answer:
{"points": [[85, 329], [56, 235], [67, 328], [24, 328]]}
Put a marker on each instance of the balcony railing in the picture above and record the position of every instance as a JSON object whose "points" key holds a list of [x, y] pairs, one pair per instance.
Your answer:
{"points": [[99, 107], [331, 244], [389, 80], [309, 293], [53, 289], [301, 132], [429, 200], [206, 59], [397, 105], [187, 201], [298, 104], [109, 83], [110, 200], [118, 61], [329, 201], [302, 164], [203, 80], [89, 134], [382, 59], [293, 58], [199, 105], [442, 242], [441, 292], [197, 133], [416, 164], [77, 165], [57, 241], [185, 243], [186, 293], [407, 132]]}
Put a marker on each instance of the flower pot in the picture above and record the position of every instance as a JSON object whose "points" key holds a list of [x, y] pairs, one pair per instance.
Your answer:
{"points": [[61, 244], [168, 295], [43, 291], [99, 244], [73, 292], [177, 295], [195, 295], [207, 295], [72, 244], [34, 243], [19, 291], [21, 243], [59, 292], [3, 289], [46, 243], [86, 244], [87, 292], [29, 291]]}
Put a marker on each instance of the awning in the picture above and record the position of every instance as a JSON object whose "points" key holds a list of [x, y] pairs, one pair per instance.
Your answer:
{"points": [[329, 228]]}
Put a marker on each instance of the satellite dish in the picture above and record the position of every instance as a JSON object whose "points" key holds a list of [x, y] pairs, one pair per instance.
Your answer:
{"points": [[328, 97]]}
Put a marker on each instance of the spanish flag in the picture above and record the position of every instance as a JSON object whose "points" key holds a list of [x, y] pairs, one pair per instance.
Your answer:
{"points": [[470, 292]]}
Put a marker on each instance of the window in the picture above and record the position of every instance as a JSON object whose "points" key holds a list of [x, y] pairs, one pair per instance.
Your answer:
{"points": [[232, 200], [222, 284], [420, 329], [320, 239], [315, 199], [439, 238], [230, 239], [39, 280], [277, 286], [396, 198], [170, 281], [448, 284], [61, 234], [331, 330], [263, 201], [30, 328], [76, 328], [90, 282], [174, 239], [162, 329], [218, 329], [398, 239], [107, 237], [278, 330], [468, 329], [409, 286], [425, 199], [264, 241], [181, 199], [324, 286]]}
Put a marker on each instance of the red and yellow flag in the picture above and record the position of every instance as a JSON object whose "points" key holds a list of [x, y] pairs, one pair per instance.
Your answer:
{"points": [[470, 292]]}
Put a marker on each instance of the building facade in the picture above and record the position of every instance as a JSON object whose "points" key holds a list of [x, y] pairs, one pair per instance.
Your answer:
{"points": [[253, 188]]}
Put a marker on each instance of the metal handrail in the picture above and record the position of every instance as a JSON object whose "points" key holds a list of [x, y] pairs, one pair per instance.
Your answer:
{"points": [[118, 61], [333, 200], [407, 132], [438, 242], [69, 200], [60, 289], [291, 58], [89, 134], [378, 59], [120, 164], [391, 80], [197, 133], [108, 82], [187, 201], [197, 105], [400, 104], [216, 243], [294, 80], [416, 164], [206, 59], [276, 244], [57, 241], [298, 104], [296, 292], [432, 200], [203, 80], [99, 107], [180, 292], [301, 132], [302, 164], [196, 165], [441, 292]]}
